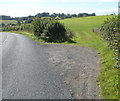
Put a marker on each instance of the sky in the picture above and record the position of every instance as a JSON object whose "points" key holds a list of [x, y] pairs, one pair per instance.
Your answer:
{"points": [[19, 8]]}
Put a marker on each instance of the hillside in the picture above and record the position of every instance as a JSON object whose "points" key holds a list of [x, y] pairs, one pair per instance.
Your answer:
{"points": [[83, 29]]}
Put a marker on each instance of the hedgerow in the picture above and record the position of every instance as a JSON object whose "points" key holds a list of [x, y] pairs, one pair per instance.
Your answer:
{"points": [[111, 32]]}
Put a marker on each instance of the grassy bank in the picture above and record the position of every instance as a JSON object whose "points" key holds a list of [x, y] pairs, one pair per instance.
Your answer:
{"points": [[108, 79]]}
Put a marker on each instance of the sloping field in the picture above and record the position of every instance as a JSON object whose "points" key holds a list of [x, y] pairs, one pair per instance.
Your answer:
{"points": [[86, 38], [8, 21], [83, 29]]}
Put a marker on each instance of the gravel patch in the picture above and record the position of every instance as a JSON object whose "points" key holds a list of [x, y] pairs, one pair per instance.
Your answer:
{"points": [[79, 68]]}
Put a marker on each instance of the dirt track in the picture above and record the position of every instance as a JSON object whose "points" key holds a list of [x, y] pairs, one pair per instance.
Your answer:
{"points": [[79, 68]]}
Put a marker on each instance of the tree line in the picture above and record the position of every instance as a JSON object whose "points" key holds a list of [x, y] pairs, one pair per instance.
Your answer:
{"points": [[63, 15], [46, 14]]}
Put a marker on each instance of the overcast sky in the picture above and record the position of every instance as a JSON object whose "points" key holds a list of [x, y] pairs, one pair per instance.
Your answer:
{"points": [[20, 8]]}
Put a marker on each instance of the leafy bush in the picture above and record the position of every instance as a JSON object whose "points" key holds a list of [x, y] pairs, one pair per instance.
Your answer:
{"points": [[27, 27], [111, 32], [51, 30], [39, 26], [55, 32]]}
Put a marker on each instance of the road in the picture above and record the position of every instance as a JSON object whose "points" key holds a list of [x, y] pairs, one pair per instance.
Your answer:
{"points": [[26, 71]]}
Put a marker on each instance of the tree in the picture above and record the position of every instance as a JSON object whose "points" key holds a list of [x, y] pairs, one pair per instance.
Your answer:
{"points": [[80, 15]]}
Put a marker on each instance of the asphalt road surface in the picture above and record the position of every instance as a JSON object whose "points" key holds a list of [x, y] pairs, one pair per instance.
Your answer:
{"points": [[26, 71]]}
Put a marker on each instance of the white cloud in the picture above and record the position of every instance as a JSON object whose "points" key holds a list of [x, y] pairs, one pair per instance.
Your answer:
{"points": [[107, 11], [64, 0], [84, 4], [26, 0], [109, 0], [99, 4], [83, 0], [71, 0], [19, 13]]}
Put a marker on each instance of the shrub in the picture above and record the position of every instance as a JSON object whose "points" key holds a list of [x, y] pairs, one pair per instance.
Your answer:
{"points": [[27, 27], [55, 32], [39, 26], [111, 32], [51, 30]]}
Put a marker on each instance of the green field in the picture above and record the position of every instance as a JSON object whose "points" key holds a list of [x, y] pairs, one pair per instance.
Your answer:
{"points": [[83, 29], [108, 79], [8, 21]]}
